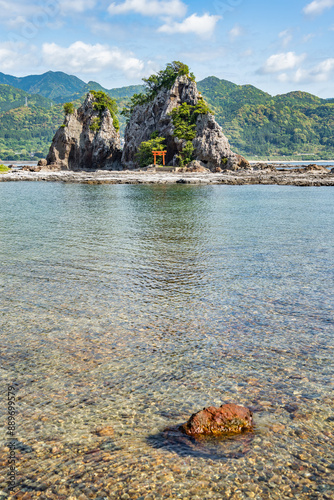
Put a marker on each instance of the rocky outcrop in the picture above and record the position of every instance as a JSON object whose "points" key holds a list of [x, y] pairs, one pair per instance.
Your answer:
{"points": [[78, 145], [228, 418], [211, 147]]}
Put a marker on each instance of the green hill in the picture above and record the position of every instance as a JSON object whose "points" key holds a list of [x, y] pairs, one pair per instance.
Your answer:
{"points": [[26, 131], [294, 125], [11, 97], [53, 84]]}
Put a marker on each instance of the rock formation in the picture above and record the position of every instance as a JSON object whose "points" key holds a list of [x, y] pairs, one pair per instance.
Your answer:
{"points": [[211, 147], [228, 418], [86, 140]]}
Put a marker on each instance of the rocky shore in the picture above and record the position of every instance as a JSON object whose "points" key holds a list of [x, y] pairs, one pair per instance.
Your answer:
{"points": [[279, 177]]}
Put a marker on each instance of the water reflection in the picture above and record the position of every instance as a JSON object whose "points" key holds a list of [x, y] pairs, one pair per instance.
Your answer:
{"points": [[169, 258]]}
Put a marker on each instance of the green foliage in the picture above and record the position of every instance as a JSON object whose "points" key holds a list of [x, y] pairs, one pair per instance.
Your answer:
{"points": [[186, 154], [3, 169], [145, 156], [102, 102], [184, 120], [296, 125], [96, 124], [26, 132], [11, 98], [163, 79], [68, 108]]}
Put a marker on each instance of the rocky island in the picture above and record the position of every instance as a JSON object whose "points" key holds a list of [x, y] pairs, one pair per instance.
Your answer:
{"points": [[88, 138], [171, 116]]}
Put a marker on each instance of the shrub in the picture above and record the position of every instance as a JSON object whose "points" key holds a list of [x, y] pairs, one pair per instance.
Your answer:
{"points": [[68, 108], [102, 102], [3, 169], [96, 124], [186, 154], [163, 79], [184, 120], [144, 155]]}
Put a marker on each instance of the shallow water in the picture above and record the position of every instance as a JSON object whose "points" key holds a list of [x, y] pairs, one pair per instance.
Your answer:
{"points": [[135, 306]]}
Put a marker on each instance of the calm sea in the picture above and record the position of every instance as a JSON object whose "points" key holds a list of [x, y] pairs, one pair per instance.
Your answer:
{"points": [[134, 306]]}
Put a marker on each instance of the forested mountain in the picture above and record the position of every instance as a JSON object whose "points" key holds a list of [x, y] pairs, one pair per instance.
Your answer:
{"points": [[294, 125], [11, 97], [52, 85], [26, 130]]}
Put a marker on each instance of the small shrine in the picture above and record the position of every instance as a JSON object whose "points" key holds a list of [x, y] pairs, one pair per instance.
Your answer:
{"points": [[159, 153]]}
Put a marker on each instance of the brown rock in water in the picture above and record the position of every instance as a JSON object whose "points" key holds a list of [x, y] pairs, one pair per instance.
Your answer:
{"points": [[105, 431], [77, 145], [228, 418], [211, 147]]}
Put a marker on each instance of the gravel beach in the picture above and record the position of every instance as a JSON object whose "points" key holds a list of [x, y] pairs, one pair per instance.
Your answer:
{"points": [[283, 177]]}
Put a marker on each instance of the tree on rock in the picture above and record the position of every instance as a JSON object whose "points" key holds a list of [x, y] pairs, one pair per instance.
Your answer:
{"points": [[145, 155]]}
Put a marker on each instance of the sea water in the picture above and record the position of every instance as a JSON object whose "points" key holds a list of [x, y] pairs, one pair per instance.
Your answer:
{"points": [[134, 306]]}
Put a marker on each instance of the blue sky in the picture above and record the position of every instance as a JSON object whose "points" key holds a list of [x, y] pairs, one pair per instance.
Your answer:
{"points": [[277, 46]]}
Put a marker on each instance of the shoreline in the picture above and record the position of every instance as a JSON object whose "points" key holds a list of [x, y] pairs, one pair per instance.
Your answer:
{"points": [[246, 177]]}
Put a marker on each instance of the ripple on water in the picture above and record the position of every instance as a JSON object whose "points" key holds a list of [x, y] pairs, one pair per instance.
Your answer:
{"points": [[135, 306]]}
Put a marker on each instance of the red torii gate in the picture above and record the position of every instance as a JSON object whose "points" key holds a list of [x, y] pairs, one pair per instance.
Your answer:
{"points": [[159, 153]]}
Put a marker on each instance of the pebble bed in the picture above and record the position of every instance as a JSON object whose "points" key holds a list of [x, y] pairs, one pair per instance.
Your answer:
{"points": [[132, 307]]}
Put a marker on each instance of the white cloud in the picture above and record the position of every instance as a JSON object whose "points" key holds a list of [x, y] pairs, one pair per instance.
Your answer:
{"points": [[286, 37], [85, 58], [235, 32], [247, 53], [200, 25], [16, 55], [307, 38], [172, 8], [281, 62], [322, 72], [317, 7], [76, 5]]}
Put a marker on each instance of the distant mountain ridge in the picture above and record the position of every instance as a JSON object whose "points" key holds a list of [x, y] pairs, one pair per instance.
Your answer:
{"points": [[61, 87], [296, 124], [52, 84], [257, 124]]}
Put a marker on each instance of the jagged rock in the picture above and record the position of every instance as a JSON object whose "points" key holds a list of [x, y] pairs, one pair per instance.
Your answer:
{"points": [[42, 163], [264, 167], [211, 145], [76, 147], [228, 418], [31, 168], [313, 167], [195, 166]]}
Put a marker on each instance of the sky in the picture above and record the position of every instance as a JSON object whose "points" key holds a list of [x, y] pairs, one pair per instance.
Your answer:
{"points": [[277, 46]]}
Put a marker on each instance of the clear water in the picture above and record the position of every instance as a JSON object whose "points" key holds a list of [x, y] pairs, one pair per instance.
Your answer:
{"points": [[134, 306]]}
